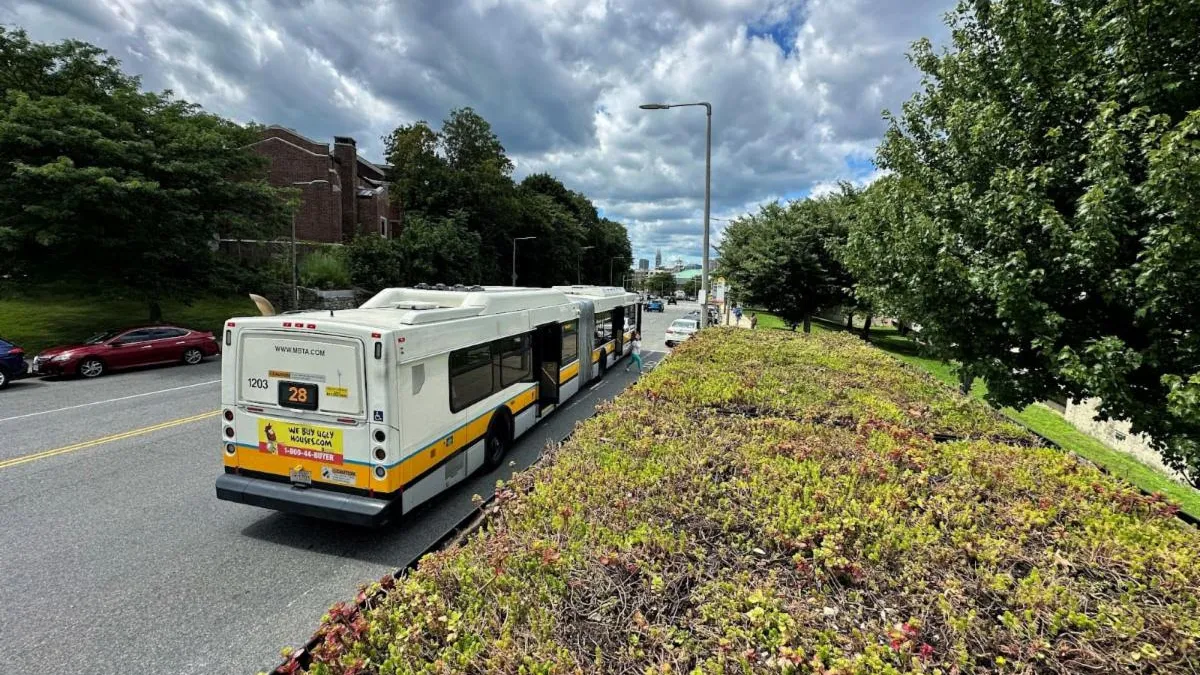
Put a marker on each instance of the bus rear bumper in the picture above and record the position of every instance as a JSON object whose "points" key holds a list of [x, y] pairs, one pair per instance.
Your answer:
{"points": [[314, 502]]}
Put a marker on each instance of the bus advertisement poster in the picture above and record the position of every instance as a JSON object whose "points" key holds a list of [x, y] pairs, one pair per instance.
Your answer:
{"points": [[303, 441]]}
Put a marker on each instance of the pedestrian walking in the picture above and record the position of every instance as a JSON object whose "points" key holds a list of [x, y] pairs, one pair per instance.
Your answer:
{"points": [[737, 314], [636, 352], [753, 321]]}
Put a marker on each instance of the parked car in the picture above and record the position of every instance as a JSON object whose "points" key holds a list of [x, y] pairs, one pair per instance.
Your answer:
{"points": [[127, 348], [654, 306], [12, 363], [714, 317], [680, 330]]}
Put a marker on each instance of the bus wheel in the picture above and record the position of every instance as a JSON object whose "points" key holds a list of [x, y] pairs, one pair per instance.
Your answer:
{"points": [[495, 446]]}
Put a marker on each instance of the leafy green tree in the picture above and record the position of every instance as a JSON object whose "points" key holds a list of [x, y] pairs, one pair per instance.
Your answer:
{"points": [[1041, 223], [374, 263], [837, 214], [440, 250], [102, 182], [420, 177], [610, 256], [691, 287], [549, 212], [782, 259], [462, 171], [661, 283]]}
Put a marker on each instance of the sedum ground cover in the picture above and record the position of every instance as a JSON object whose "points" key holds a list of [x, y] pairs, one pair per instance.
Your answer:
{"points": [[769, 502]]}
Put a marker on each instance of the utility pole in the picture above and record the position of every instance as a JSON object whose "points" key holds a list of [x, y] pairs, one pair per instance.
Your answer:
{"points": [[295, 287]]}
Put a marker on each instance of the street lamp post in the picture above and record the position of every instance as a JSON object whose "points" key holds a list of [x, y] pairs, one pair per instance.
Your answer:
{"points": [[295, 286], [610, 270], [579, 263], [295, 262], [514, 266], [707, 191]]}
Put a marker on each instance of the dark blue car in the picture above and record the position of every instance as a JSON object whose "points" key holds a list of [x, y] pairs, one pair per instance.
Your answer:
{"points": [[12, 362]]}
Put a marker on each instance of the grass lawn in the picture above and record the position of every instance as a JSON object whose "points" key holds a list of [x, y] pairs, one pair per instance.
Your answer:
{"points": [[41, 320], [1037, 417]]}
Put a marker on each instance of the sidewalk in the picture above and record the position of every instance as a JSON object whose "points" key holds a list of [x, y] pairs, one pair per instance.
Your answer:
{"points": [[730, 320]]}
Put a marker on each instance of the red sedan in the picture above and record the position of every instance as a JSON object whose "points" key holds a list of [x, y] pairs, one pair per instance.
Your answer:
{"points": [[114, 350]]}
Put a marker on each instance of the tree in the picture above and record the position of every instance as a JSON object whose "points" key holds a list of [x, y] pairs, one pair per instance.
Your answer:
{"points": [[549, 213], [440, 250], [419, 176], [662, 283], [463, 172], [837, 213], [782, 259], [1041, 221], [374, 263], [102, 182], [610, 256]]}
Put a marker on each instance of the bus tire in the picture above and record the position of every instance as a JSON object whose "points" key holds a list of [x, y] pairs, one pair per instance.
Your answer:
{"points": [[495, 444]]}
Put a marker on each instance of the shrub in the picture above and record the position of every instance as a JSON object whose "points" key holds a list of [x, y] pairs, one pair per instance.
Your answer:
{"points": [[374, 263], [324, 270], [771, 502]]}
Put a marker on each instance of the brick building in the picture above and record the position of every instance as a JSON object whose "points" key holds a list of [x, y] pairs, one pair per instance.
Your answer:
{"points": [[341, 194]]}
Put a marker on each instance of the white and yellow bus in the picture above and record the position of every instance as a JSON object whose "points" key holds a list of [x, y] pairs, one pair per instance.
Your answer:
{"points": [[360, 415]]}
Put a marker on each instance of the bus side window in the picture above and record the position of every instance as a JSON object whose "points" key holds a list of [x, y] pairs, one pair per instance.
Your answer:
{"points": [[570, 345], [515, 362], [604, 327], [471, 376]]}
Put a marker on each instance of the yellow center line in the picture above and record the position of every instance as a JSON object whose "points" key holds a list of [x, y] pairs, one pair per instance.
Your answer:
{"points": [[4, 464]]}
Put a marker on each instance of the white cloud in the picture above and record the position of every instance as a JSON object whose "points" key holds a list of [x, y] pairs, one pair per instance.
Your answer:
{"points": [[797, 87]]}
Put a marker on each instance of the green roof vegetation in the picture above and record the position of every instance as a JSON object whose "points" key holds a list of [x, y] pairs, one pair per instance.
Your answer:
{"points": [[774, 502]]}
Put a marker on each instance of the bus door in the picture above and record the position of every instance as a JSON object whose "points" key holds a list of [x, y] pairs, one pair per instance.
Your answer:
{"points": [[547, 359]]}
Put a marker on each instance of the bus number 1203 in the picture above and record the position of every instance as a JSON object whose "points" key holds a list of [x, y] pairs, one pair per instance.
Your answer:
{"points": [[258, 383]]}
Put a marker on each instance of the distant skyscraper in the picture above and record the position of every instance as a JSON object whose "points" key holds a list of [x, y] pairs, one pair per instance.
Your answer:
{"points": [[643, 264], [658, 259]]}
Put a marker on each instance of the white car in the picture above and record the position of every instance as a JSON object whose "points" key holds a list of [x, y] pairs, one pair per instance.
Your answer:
{"points": [[680, 330]]}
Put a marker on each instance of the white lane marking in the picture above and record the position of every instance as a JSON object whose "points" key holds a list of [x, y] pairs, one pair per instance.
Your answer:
{"points": [[111, 400]]}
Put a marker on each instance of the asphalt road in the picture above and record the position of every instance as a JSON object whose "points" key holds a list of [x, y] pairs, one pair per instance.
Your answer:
{"points": [[118, 558]]}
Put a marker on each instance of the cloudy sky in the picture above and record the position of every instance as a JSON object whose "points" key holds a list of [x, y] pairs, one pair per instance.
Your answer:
{"points": [[797, 86]]}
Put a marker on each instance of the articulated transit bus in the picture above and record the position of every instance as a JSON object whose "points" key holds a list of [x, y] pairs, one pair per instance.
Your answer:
{"points": [[360, 415]]}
